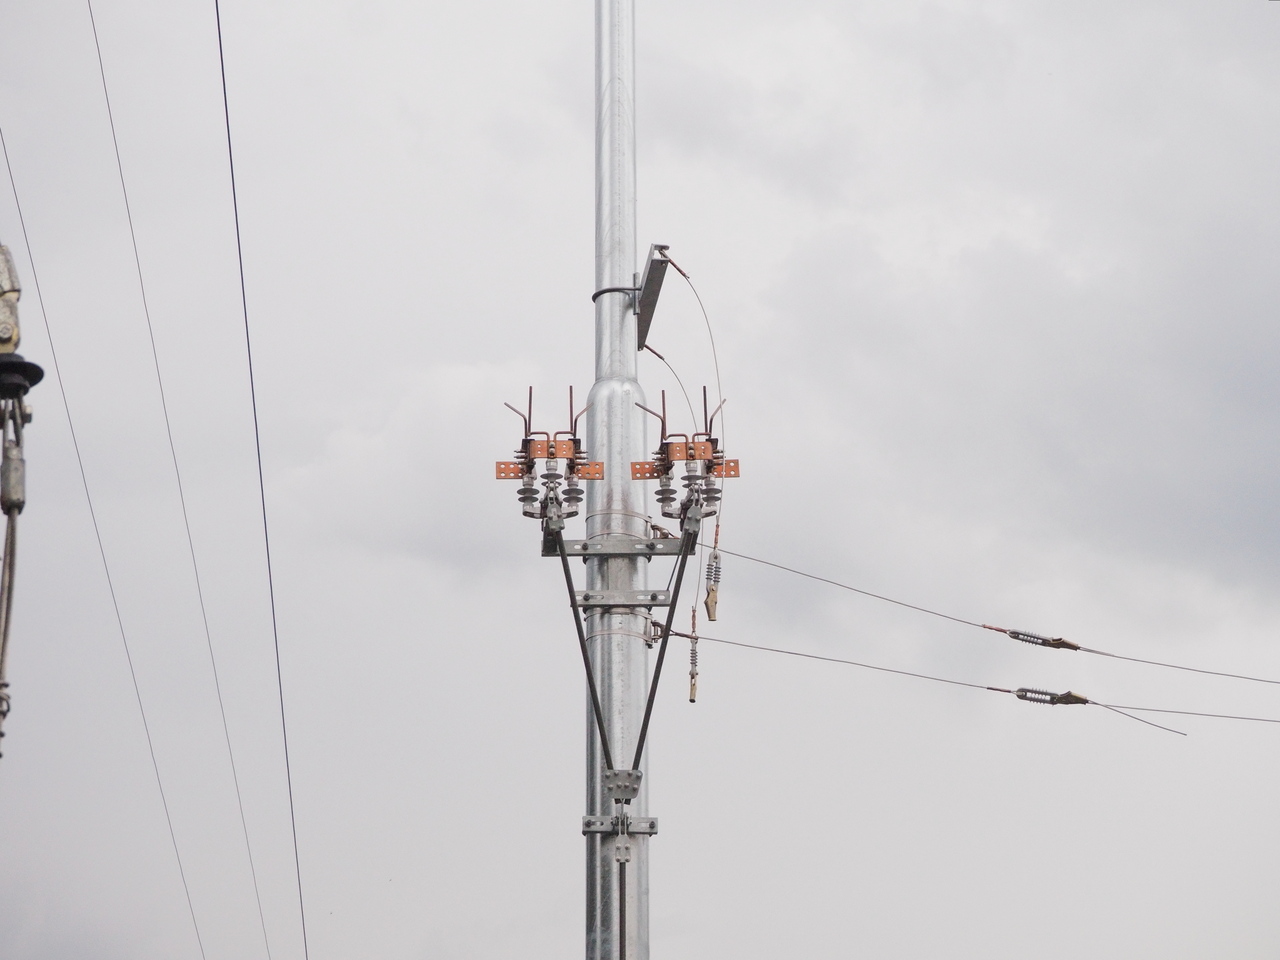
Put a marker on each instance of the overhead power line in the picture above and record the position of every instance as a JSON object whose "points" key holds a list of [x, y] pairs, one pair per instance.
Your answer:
{"points": [[262, 488], [102, 550], [1022, 693], [1025, 636], [177, 475]]}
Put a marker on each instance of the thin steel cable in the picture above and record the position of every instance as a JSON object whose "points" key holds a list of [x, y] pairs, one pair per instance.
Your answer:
{"points": [[1117, 708], [262, 487], [852, 663], [1191, 713], [1177, 666], [679, 382], [715, 357], [177, 475], [1139, 719], [715, 360], [845, 586], [984, 626], [102, 551]]}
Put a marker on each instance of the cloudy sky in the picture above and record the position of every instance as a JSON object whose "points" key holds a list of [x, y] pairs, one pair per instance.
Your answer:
{"points": [[994, 289]]}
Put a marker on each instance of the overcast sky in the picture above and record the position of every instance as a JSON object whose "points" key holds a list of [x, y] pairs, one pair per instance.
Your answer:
{"points": [[994, 287]]}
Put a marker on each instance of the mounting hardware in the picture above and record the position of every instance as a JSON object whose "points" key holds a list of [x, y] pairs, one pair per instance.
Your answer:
{"points": [[622, 785], [637, 826], [619, 547], [623, 598]]}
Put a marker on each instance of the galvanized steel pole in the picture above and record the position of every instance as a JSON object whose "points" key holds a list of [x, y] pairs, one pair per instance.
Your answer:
{"points": [[616, 505]]}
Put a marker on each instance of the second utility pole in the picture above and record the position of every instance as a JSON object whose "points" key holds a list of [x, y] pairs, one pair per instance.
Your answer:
{"points": [[615, 435]]}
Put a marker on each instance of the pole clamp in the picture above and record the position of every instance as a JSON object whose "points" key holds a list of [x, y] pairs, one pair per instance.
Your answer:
{"points": [[609, 826]]}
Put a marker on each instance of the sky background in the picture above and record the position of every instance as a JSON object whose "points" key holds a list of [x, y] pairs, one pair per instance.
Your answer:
{"points": [[994, 290]]}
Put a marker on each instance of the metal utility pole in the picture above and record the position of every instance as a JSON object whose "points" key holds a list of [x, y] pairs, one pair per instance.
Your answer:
{"points": [[617, 616], [615, 435]]}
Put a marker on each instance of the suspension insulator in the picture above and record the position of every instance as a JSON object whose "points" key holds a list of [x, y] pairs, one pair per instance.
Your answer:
{"points": [[1046, 697], [1027, 636], [693, 669]]}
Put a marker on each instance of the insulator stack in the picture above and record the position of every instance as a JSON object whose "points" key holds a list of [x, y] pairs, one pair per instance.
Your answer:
{"points": [[1048, 698], [713, 584], [693, 669], [572, 496]]}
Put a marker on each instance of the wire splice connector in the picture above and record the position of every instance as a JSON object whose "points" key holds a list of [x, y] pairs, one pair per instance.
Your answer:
{"points": [[1026, 636], [1049, 699]]}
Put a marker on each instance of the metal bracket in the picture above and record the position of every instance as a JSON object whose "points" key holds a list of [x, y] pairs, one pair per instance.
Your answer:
{"points": [[623, 784], [623, 598], [639, 826], [617, 547]]}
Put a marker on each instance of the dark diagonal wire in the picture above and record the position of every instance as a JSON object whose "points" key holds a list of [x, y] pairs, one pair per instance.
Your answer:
{"points": [[984, 626], [851, 663], [102, 551], [1107, 706], [845, 586], [1193, 713], [1115, 708], [679, 382], [177, 474], [262, 488], [1177, 666]]}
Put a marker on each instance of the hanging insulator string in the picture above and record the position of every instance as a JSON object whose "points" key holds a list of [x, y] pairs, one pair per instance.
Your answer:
{"points": [[693, 655]]}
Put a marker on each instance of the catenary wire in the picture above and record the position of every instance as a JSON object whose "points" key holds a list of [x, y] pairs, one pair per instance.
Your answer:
{"points": [[1117, 708], [852, 663], [845, 586], [102, 551], [974, 623], [177, 475], [262, 488]]}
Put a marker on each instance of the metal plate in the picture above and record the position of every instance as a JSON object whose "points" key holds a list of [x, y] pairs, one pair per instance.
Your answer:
{"points": [[727, 469], [644, 470], [623, 598], [589, 471], [620, 547], [639, 826], [509, 470]]}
